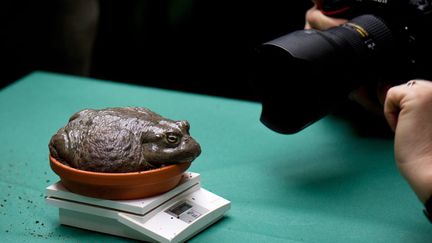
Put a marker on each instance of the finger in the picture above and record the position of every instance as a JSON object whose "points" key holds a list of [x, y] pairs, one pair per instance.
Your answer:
{"points": [[392, 105], [315, 19]]}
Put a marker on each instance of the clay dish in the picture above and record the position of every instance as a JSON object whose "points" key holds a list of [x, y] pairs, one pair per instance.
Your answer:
{"points": [[119, 186]]}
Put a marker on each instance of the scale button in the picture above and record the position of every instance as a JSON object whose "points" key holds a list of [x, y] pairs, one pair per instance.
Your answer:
{"points": [[193, 213]]}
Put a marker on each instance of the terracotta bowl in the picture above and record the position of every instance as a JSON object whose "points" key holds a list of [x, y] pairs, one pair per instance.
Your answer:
{"points": [[119, 186]]}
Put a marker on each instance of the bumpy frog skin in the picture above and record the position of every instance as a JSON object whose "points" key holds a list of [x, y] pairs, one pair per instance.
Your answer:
{"points": [[123, 139]]}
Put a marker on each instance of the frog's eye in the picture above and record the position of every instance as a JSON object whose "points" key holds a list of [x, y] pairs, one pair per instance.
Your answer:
{"points": [[172, 138]]}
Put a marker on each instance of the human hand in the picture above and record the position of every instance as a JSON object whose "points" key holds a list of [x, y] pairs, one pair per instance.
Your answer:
{"points": [[315, 19], [408, 110]]}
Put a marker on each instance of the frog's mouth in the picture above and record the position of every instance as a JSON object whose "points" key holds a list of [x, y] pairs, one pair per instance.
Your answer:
{"points": [[157, 164], [175, 158]]}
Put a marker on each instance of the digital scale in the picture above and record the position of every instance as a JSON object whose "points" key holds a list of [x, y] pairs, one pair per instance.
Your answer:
{"points": [[174, 216]]}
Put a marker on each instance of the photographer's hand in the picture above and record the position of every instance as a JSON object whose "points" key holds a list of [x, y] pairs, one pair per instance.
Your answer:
{"points": [[408, 110]]}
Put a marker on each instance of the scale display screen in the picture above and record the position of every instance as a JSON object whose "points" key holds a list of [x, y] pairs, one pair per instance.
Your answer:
{"points": [[179, 209], [186, 211]]}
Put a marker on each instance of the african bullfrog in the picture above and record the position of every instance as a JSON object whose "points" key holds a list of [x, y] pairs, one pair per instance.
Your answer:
{"points": [[122, 139]]}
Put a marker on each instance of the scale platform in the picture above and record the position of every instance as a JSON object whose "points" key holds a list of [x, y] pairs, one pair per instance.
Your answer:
{"points": [[174, 216]]}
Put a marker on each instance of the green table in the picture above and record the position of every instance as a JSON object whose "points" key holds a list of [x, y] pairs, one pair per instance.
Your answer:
{"points": [[324, 184]]}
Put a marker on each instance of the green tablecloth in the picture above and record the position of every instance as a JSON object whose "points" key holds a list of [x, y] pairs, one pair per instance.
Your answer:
{"points": [[324, 184]]}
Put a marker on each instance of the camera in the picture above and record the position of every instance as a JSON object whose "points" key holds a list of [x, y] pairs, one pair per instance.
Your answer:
{"points": [[306, 74]]}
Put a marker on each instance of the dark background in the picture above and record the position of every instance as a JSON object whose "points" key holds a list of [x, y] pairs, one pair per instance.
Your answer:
{"points": [[199, 46]]}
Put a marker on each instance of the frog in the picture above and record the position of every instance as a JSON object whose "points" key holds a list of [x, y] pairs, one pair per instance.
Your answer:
{"points": [[123, 139]]}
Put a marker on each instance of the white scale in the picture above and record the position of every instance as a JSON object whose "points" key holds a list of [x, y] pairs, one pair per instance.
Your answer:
{"points": [[174, 216]]}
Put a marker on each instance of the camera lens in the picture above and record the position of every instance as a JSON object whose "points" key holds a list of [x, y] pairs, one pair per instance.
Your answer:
{"points": [[305, 74]]}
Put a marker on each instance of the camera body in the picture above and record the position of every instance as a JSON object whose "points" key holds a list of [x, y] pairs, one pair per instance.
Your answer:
{"points": [[384, 41]]}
